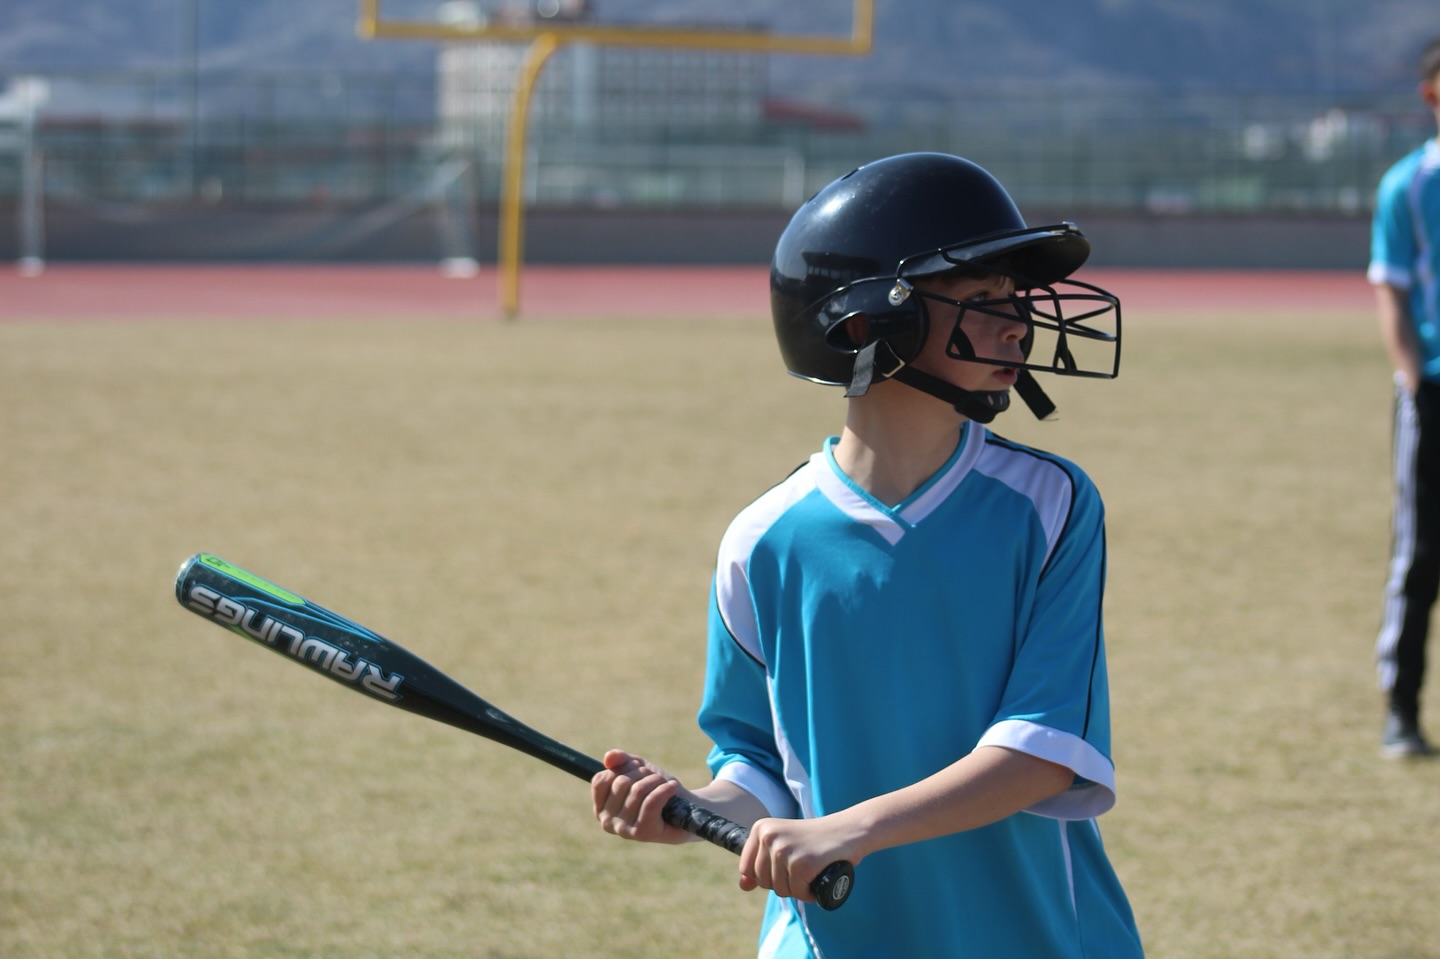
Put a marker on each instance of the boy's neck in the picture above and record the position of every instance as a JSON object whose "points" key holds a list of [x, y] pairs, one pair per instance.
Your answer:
{"points": [[892, 444]]}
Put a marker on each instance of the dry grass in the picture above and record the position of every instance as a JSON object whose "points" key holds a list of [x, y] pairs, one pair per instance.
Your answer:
{"points": [[534, 508]]}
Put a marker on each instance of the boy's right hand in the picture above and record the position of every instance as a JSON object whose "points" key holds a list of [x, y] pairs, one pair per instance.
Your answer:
{"points": [[628, 795]]}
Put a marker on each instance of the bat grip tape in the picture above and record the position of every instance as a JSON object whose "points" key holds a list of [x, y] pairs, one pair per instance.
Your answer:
{"points": [[709, 826]]}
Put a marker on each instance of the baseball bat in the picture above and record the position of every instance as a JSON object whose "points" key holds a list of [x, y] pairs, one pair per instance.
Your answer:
{"points": [[367, 662]]}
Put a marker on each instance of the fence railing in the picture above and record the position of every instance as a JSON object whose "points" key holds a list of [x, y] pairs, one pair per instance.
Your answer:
{"points": [[158, 137]]}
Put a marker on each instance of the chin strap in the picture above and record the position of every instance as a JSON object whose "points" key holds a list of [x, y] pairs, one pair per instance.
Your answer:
{"points": [[1029, 389], [878, 361], [864, 372], [982, 406]]}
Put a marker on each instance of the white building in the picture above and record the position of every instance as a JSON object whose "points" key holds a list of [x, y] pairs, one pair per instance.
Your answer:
{"points": [[592, 94]]}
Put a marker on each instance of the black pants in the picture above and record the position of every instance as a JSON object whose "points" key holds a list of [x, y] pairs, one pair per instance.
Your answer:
{"points": [[1411, 587]]}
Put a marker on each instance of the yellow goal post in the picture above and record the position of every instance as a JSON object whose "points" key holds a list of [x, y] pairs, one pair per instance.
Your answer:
{"points": [[548, 35]]}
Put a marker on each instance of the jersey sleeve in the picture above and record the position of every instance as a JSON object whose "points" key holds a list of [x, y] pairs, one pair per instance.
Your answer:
{"points": [[1393, 251], [735, 709], [1056, 704]]}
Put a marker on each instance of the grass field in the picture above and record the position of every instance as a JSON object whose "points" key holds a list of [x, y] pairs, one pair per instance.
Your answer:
{"points": [[534, 508]]}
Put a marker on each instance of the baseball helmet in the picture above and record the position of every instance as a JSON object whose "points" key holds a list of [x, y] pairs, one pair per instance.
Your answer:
{"points": [[859, 245]]}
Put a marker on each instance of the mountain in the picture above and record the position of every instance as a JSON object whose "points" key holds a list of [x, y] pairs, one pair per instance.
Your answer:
{"points": [[924, 50]]}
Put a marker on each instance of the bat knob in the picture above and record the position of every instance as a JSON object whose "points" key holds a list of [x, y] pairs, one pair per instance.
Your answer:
{"points": [[832, 887]]}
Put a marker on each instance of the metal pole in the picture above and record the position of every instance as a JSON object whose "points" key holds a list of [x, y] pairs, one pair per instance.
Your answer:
{"points": [[31, 227], [512, 196], [191, 41], [371, 26]]}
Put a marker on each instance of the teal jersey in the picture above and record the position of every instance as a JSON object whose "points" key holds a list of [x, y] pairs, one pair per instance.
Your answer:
{"points": [[856, 648], [1405, 244]]}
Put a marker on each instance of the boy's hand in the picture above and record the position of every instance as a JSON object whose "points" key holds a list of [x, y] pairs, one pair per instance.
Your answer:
{"points": [[787, 854], [628, 796]]}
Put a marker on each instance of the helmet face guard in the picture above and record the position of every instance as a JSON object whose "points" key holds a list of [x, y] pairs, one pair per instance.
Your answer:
{"points": [[1073, 328]]}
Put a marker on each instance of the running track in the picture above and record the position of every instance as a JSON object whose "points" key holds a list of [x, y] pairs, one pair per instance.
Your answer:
{"points": [[87, 291]]}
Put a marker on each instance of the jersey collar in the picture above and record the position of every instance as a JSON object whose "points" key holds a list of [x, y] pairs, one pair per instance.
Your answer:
{"points": [[891, 522]]}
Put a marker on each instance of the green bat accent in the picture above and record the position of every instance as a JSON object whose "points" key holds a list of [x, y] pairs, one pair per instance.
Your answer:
{"points": [[245, 576]]}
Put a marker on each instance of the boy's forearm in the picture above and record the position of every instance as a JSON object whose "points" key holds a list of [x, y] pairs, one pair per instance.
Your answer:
{"points": [[984, 787], [1393, 308], [731, 801]]}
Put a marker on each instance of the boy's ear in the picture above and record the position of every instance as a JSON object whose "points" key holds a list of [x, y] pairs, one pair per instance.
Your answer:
{"points": [[850, 333], [856, 329], [1430, 93]]}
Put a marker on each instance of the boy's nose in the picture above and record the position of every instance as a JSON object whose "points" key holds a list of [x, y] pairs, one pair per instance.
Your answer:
{"points": [[1015, 327]]}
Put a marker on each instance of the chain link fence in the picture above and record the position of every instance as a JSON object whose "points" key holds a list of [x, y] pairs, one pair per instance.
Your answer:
{"points": [[359, 153]]}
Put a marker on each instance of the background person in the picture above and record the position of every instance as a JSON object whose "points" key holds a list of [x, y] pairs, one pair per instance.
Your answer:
{"points": [[1405, 270]]}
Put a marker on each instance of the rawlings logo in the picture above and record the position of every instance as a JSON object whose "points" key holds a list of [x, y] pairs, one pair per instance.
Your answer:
{"points": [[264, 628]]}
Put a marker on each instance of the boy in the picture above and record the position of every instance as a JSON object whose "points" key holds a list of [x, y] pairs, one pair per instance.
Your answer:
{"points": [[1405, 270], [906, 665]]}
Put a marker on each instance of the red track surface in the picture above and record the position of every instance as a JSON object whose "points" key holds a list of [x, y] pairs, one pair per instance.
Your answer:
{"points": [[80, 291]]}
